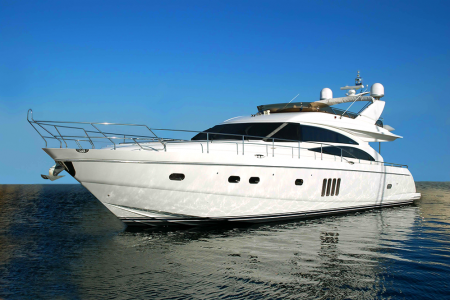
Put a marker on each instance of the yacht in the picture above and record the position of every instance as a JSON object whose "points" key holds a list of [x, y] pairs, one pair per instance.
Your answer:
{"points": [[286, 161]]}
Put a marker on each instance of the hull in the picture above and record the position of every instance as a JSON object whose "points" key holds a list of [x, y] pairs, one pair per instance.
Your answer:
{"points": [[135, 186]]}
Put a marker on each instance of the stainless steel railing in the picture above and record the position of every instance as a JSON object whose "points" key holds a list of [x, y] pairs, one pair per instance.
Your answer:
{"points": [[91, 136]]}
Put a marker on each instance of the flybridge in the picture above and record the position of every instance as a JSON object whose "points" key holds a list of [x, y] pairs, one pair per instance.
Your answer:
{"points": [[307, 107], [372, 110]]}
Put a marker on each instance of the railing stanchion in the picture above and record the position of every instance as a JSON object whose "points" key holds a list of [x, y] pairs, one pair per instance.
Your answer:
{"points": [[104, 135], [341, 154], [37, 122], [160, 140], [137, 143], [273, 147], [30, 112], [267, 150], [321, 156], [299, 150], [243, 142], [207, 142], [90, 141], [60, 136]]}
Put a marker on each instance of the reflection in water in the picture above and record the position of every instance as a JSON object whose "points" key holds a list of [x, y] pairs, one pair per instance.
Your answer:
{"points": [[66, 243]]}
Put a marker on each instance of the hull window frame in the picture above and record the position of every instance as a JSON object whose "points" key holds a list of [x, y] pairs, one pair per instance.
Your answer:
{"points": [[234, 179]]}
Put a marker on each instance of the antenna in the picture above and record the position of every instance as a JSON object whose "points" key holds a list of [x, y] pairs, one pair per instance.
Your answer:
{"points": [[290, 101], [358, 84], [358, 80]]}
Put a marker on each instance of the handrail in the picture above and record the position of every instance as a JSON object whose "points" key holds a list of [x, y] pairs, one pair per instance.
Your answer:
{"points": [[139, 139], [103, 135], [28, 114]]}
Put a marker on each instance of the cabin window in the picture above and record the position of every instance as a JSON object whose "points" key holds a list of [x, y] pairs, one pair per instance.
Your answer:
{"points": [[234, 179], [176, 176], [299, 182], [389, 186], [305, 133], [278, 131], [253, 180], [349, 152], [236, 131], [292, 131], [316, 134]]}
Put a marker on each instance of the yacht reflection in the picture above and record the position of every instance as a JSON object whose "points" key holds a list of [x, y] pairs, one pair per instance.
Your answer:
{"points": [[329, 256]]}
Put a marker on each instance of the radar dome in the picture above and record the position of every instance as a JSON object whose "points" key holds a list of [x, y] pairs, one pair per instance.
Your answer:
{"points": [[326, 93], [377, 90]]}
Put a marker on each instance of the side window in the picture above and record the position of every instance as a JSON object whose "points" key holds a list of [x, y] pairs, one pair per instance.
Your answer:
{"points": [[358, 153], [291, 131], [316, 134], [236, 130], [349, 152]]}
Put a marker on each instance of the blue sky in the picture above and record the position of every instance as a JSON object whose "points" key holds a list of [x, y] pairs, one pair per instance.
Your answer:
{"points": [[193, 64]]}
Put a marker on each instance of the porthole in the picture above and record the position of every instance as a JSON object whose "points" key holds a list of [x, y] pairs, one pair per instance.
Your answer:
{"points": [[234, 179], [299, 182], [176, 176], [389, 186], [253, 180]]}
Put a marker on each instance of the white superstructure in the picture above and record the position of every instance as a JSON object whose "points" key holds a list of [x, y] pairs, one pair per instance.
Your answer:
{"points": [[289, 160]]}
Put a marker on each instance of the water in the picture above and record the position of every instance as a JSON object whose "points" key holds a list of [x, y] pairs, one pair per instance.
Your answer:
{"points": [[59, 242]]}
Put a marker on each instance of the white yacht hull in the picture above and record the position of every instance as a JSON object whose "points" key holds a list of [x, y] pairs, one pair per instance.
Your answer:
{"points": [[135, 185]]}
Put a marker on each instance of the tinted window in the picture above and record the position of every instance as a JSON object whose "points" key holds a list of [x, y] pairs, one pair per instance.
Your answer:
{"points": [[291, 131], [349, 152], [254, 129], [279, 131], [316, 134]]}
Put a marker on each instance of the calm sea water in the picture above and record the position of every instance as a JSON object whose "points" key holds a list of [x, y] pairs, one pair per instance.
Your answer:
{"points": [[59, 242]]}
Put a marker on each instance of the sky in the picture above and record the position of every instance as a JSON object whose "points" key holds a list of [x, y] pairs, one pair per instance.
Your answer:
{"points": [[193, 64]]}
